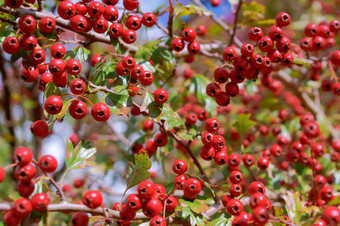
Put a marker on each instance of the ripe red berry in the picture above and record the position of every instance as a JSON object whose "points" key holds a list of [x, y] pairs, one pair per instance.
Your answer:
{"points": [[53, 104], [212, 125], [79, 219], [192, 187], [152, 207], [40, 202], [258, 199], [331, 215], [188, 34], [235, 190], [25, 189], [128, 62], [221, 75], [157, 221], [73, 66], [263, 163], [213, 89], [25, 173], [133, 22], [194, 47], [147, 125], [255, 34], [129, 36], [191, 119], [179, 166], [275, 33], [30, 75], [39, 128], [260, 215], [335, 57], [282, 19], [11, 45], [232, 89], [28, 42], [229, 54], [100, 25], [201, 30], [47, 25], [287, 59], [247, 49], [256, 187], [95, 9], [177, 44], [92, 199], [161, 96], [37, 56], [207, 153], [234, 207], [22, 156], [146, 189], [111, 13], [265, 44], [48, 163], [234, 159], [221, 157], [13, 4], [66, 10], [311, 129], [100, 112], [179, 181], [79, 23], [149, 19], [116, 30], [22, 207], [27, 24], [236, 177], [77, 86], [218, 142], [131, 4], [133, 202], [170, 204]]}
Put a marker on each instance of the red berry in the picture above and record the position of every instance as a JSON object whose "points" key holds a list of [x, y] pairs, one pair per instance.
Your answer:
{"points": [[22, 207], [27, 24], [331, 215], [25, 173], [133, 202], [247, 49], [100, 112], [131, 4], [129, 36], [258, 199], [260, 215], [265, 44], [116, 30], [38, 56], [10, 217], [179, 181], [275, 33], [111, 13], [177, 44], [25, 188], [213, 89], [221, 75], [335, 57], [212, 125], [191, 119], [282, 19], [235, 190], [188, 34], [13, 4], [53, 104], [79, 23], [73, 66], [146, 189], [194, 47], [283, 44], [40, 202], [236, 177], [229, 54], [232, 89], [79, 219], [77, 86], [66, 9], [95, 9], [152, 207], [157, 221], [207, 153], [48, 163], [133, 22], [28, 42], [221, 157], [58, 50], [255, 34], [30, 75], [39, 128], [256, 187], [100, 25], [170, 204], [161, 96], [234, 207], [22, 156], [92, 199], [11, 45], [311, 129], [149, 19], [192, 187], [179, 166]]}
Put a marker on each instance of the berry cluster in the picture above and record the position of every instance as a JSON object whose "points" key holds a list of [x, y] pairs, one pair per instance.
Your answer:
{"points": [[187, 35], [24, 173]]}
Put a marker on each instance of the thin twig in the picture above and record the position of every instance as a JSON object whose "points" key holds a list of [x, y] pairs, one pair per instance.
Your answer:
{"points": [[171, 18], [235, 22]]}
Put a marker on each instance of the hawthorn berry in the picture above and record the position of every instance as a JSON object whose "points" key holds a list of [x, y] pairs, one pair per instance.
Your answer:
{"points": [[146, 189], [25, 189], [129, 36], [40, 202], [80, 218], [152, 207], [27, 24], [22, 207], [192, 187], [92, 199], [282, 19], [179, 166], [79, 23], [234, 207], [111, 13], [212, 125], [160, 95], [100, 112], [48, 163], [53, 104], [177, 44], [11, 45], [25, 173], [40, 128], [66, 10]]}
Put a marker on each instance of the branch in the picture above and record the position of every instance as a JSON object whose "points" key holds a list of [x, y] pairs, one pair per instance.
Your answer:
{"points": [[69, 207], [235, 22], [171, 18], [40, 5], [291, 83]]}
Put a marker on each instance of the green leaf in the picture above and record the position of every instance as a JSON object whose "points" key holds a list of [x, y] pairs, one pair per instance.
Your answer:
{"points": [[195, 205], [186, 212], [81, 54], [172, 118], [334, 202], [169, 187], [78, 157], [139, 171], [301, 61], [181, 10], [118, 46], [51, 89], [148, 98], [118, 103], [96, 69], [218, 222], [243, 123]]}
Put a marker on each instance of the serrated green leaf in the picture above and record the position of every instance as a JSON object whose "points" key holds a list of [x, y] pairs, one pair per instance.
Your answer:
{"points": [[96, 69], [243, 123], [118, 103], [334, 202], [50, 90], [81, 54], [117, 45], [195, 205], [218, 222], [79, 156], [139, 171], [169, 187], [148, 98], [172, 118], [181, 10], [302, 61], [186, 212]]}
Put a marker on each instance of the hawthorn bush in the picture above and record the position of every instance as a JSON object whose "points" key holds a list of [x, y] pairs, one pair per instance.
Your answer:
{"points": [[197, 113]]}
